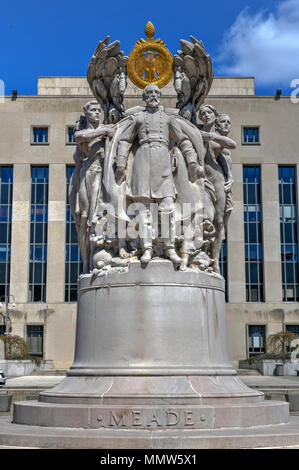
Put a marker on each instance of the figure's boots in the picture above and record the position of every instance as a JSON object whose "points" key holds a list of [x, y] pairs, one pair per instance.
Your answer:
{"points": [[172, 255], [147, 256]]}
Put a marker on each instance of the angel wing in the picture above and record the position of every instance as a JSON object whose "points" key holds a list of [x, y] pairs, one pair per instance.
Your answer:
{"points": [[193, 76], [106, 76]]}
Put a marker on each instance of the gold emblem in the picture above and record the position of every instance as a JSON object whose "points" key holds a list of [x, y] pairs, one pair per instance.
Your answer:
{"points": [[150, 61]]}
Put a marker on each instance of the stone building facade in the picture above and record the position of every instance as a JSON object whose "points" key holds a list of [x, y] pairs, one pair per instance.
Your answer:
{"points": [[38, 251]]}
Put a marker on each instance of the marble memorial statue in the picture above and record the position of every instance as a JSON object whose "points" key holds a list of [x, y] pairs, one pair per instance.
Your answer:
{"points": [[153, 161], [151, 195]]}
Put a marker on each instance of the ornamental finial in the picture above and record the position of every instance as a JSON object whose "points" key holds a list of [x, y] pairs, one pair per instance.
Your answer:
{"points": [[149, 30]]}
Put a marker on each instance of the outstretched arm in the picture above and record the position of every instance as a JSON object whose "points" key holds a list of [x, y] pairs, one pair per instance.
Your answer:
{"points": [[86, 135], [225, 142]]}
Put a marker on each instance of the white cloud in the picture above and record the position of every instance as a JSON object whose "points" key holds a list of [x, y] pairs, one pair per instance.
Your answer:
{"points": [[264, 44]]}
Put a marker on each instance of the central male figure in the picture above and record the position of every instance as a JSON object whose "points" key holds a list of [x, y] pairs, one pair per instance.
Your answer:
{"points": [[151, 179]]}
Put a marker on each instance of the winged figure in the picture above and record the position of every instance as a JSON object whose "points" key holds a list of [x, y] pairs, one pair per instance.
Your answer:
{"points": [[106, 76], [150, 67], [193, 77]]}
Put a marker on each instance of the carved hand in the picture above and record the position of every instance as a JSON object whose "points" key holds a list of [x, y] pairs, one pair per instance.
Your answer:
{"points": [[109, 131], [192, 171], [120, 175]]}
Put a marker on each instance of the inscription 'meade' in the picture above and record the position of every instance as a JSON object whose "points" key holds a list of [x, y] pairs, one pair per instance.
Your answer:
{"points": [[151, 418]]}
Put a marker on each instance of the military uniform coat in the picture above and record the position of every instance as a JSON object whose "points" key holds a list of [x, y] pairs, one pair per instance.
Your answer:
{"points": [[151, 176]]}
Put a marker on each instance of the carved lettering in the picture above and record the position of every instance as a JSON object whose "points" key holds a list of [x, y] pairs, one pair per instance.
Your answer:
{"points": [[150, 417], [154, 419], [189, 418], [137, 418], [172, 421], [117, 421]]}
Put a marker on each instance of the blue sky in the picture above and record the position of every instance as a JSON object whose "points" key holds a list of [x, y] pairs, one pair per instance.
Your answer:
{"points": [[243, 37]]}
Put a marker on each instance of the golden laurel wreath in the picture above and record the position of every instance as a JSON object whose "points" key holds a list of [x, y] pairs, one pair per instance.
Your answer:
{"points": [[150, 61]]}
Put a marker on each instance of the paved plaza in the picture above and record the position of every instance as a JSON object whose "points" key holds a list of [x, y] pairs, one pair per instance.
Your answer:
{"points": [[254, 381]]}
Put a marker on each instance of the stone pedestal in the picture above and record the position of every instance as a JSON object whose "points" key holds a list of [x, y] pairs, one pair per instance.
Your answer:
{"points": [[151, 354]]}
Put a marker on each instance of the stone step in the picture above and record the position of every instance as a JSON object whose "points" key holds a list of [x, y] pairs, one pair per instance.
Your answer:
{"points": [[49, 372], [248, 372], [242, 414], [273, 436]]}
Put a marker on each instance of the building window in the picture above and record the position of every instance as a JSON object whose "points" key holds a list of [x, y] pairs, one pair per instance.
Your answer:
{"points": [[256, 339], [293, 329], [223, 266], [6, 182], [288, 233], [38, 234], [2, 330], [40, 135], [35, 339], [70, 135], [73, 264], [253, 234], [250, 135]]}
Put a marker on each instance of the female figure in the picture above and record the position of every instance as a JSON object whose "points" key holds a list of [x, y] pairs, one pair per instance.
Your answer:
{"points": [[215, 195]]}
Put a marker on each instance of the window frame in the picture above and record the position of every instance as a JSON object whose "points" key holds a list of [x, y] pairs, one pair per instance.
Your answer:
{"points": [[295, 231], [39, 126], [67, 127], [251, 354], [285, 325], [8, 230], [34, 245], [259, 245], [68, 285], [248, 126], [290, 324], [43, 338]]}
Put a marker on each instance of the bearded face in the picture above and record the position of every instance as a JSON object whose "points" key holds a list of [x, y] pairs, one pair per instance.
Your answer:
{"points": [[152, 96]]}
